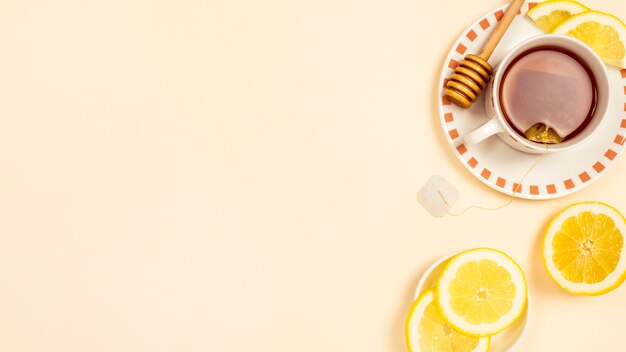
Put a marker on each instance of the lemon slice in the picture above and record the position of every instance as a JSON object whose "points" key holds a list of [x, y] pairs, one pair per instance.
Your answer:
{"points": [[604, 33], [481, 292], [549, 14], [583, 249], [427, 331]]}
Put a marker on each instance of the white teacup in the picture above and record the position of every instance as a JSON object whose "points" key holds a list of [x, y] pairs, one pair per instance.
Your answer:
{"points": [[498, 124]]}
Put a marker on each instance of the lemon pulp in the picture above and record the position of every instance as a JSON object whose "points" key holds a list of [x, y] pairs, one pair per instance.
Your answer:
{"points": [[426, 330], [583, 248], [482, 292], [548, 22], [587, 248], [604, 33], [603, 39], [549, 14]]}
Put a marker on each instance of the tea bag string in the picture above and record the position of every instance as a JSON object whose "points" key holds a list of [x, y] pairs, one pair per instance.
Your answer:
{"points": [[511, 197]]}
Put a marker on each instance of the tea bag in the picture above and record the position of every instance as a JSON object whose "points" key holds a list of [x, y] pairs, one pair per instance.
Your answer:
{"points": [[437, 196], [540, 133]]}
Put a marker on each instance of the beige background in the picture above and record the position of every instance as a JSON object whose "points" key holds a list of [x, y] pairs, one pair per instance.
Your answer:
{"points": [[230, 175]]}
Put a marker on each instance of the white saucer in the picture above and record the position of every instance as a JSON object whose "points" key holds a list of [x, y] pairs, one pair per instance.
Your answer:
{"points": [[507, 340], [500, 166]]}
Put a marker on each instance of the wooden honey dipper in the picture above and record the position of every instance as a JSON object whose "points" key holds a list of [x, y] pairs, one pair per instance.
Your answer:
{"points": [[473, 73]]}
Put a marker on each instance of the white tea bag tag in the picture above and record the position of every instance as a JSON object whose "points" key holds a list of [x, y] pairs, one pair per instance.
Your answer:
{"points": [[437, 196]]}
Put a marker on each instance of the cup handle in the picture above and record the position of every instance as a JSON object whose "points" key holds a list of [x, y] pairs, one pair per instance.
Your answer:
{"points": [[483, 132]]}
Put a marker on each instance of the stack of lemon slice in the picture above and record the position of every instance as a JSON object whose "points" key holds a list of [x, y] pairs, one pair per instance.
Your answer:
{"points": [[604, 33], [479, 293]]}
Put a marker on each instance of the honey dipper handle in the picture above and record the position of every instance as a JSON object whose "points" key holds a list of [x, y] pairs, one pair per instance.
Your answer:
{"points": [[500, 29]]}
